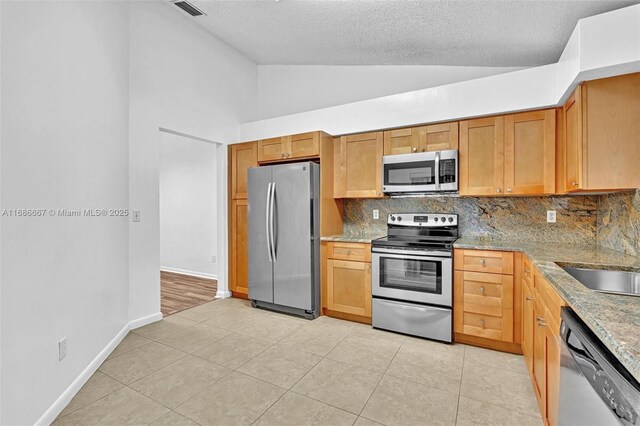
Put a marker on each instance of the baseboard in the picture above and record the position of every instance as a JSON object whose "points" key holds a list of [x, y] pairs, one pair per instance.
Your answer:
{"points": [[190, 273], [63, 400], [222, 294]]}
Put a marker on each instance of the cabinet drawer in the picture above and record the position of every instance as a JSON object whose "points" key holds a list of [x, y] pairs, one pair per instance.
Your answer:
{"points": [[487, 326], [350, 251], [496, 262]]}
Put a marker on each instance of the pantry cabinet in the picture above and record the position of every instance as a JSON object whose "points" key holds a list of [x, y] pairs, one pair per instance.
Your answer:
{"points": [[346, 270], [435, 137], [291, 147], [602, 134], [508, 155], [358, 166], [242, 156]]}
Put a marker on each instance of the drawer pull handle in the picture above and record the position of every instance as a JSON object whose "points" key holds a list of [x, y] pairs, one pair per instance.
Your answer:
{"points": [[574, 183], [348, 252], [483, 262], [508, 189], [499, 189], [482, 290], [415, 149], [541, 322], [423, 149], [482, 323], [282, 155], [529, 298]]}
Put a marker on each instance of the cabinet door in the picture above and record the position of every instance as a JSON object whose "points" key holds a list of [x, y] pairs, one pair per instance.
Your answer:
{"points": [[482, 156], [527, 325], [540, 357], [360, 171], [529, 153], [304, 145], [440, 137], [553, 369], [239, 252], [271, 149], [349, 287], [403, 141], [241, 157], [573, 141]]}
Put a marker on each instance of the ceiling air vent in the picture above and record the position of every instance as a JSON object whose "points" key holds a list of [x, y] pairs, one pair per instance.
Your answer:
{"points": [[189, 8]]}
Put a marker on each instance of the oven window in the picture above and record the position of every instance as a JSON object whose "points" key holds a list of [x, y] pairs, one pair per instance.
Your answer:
{"points": [[413, 173], [411, 274]]}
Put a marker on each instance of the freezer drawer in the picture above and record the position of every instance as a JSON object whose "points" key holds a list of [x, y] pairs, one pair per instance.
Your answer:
{"points": [[411, 318]]}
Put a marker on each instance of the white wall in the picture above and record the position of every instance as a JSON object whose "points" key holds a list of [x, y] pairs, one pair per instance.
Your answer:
{"points": [[601, 46], [290, 89], [64, 143], [183, 79], [188, 205]]}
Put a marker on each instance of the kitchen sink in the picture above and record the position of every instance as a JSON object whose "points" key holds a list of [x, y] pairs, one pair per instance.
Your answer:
{"points": [[608, 281]]}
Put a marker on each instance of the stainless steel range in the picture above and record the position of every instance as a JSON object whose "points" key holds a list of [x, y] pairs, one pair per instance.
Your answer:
{"points": [[412, 275]]}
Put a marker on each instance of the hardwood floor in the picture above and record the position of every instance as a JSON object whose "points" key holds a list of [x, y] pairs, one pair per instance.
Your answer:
{"points": [[179, 292]]}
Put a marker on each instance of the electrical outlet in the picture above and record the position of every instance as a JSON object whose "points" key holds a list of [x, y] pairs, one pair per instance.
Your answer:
{"points": [[136, 215], [551, 216], [213, 259], [62, 348], [376, 214]]}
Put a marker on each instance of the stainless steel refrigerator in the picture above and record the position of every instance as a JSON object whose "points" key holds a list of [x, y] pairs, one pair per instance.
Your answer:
{"points": [[284, 242]]}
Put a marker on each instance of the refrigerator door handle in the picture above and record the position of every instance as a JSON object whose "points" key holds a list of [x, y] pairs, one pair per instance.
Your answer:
{"points": [[271, 221], [267, 220]]}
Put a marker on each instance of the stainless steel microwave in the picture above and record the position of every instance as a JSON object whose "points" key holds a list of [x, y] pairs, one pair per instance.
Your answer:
{"points": [[435, 171]]}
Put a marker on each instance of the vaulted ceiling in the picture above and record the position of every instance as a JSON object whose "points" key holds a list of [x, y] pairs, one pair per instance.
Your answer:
{"points": [[431, 32]]}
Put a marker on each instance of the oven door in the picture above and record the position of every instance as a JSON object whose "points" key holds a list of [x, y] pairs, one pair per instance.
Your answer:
{"points": [[410, 172], [405, 275]]}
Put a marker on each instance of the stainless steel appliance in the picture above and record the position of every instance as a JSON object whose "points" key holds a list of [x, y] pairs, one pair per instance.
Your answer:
{"points": [[412, 275], [595, 389], [422, 172], [284, 243]]}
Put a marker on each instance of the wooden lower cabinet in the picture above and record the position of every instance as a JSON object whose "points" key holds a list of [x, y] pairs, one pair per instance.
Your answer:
{"points": [[541, 342], [484, 305], [346, 283]]}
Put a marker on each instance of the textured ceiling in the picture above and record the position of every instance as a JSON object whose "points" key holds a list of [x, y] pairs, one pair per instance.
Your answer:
{"points": [[461, 32]]}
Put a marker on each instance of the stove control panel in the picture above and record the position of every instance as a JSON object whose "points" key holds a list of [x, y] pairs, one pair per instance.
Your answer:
{"points": [[430, 220]]}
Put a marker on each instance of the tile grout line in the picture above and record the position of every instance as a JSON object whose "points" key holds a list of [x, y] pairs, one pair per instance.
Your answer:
{"points": [[464, 356]]}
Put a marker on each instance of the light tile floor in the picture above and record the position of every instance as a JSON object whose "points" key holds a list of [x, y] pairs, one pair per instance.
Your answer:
{"points": [[229, 364]]}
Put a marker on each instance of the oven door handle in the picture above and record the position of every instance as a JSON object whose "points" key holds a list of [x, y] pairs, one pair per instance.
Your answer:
{"points": [[407, 254], [407, 307]]}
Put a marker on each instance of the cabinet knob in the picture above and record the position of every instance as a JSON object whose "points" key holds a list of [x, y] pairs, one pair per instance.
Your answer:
{"points": [[282, 155], [541, 321], [529, 299], [482, 323], [483, 262], [423, 149], [348, 252], [508, 189], [574, 183], [288, 154], [415, 149], [482, 290], [499, 189]]}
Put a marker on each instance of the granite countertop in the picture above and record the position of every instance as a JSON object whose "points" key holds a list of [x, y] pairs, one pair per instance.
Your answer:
{"points": [[615, 319], [363, 237]]}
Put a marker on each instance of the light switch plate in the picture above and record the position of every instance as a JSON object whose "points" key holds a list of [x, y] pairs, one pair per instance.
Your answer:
{"points": [[376, 214], [551, 216]]}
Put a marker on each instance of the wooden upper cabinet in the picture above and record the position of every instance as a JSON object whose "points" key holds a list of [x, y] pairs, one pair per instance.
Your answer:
{"points": [[602, 135], [304, 145], [530, 153], [242, 156], [272, 149], [358, 171], [440, 137], [481, 156], [435, 137], [284, 148], [403, 141]]}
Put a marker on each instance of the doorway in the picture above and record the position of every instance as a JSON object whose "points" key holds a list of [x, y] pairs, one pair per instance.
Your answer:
{"points": [[188, 222]]}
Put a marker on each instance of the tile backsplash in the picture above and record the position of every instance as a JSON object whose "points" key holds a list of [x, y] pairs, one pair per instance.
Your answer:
{"points": [[618, 225], [519, 218]]}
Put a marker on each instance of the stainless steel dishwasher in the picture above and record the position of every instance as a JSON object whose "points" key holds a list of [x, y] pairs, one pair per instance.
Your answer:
{"points": [[595, 389]]}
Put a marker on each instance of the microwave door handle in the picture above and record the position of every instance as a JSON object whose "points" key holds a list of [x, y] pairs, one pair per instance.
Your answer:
{"points": [[437, 170]]}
